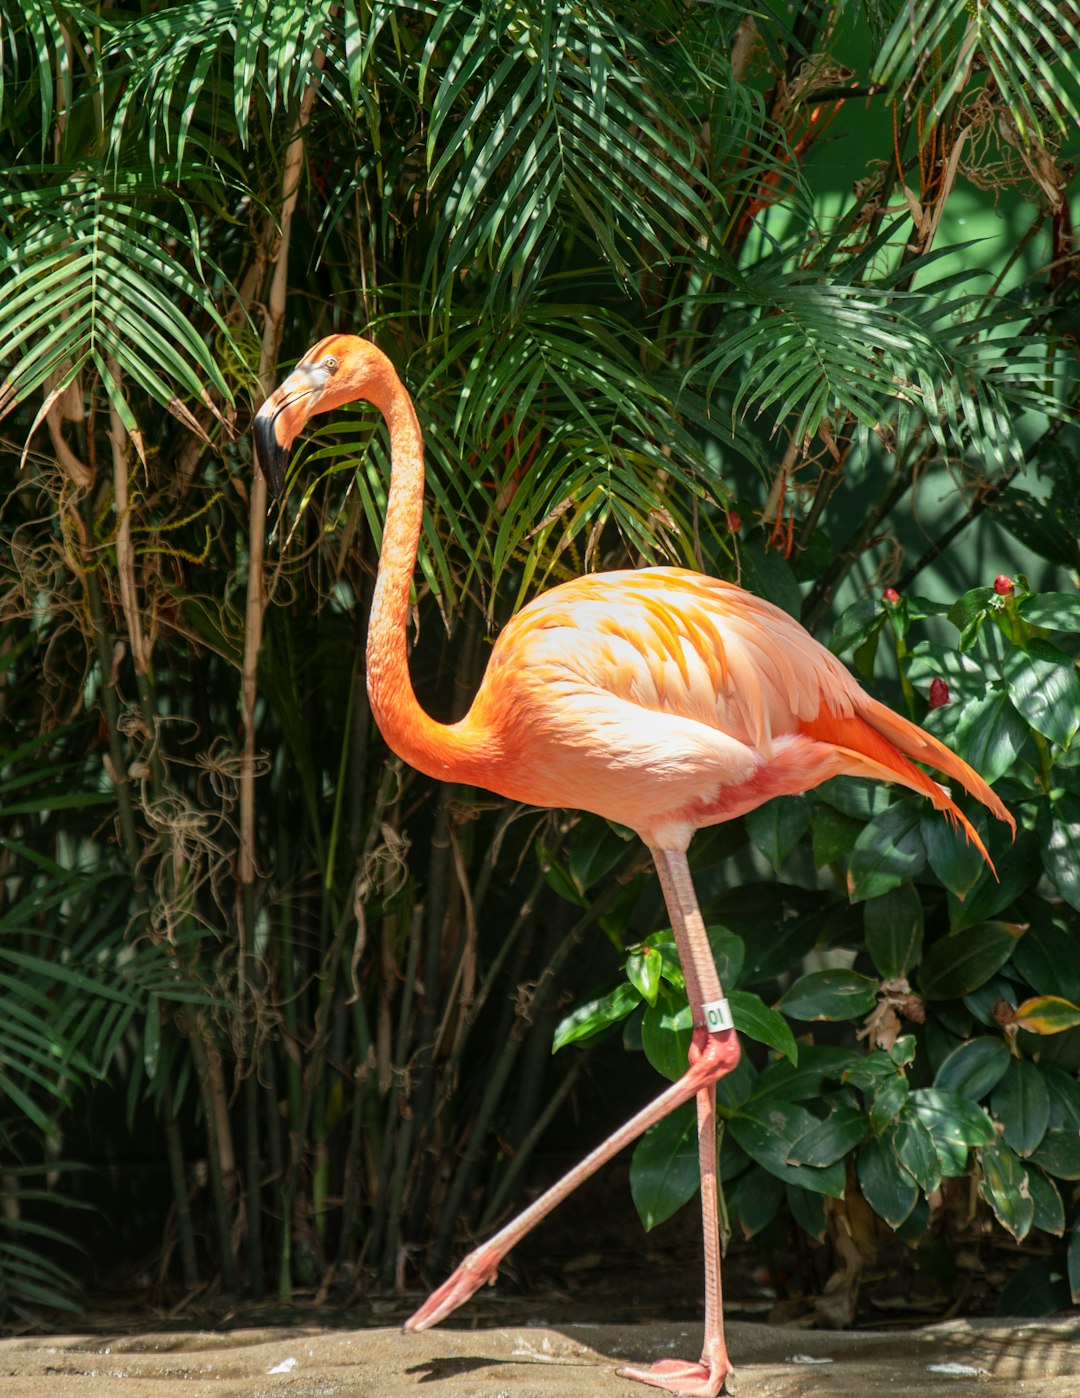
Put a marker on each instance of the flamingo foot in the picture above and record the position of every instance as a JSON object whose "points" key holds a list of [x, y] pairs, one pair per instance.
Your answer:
{"points": [[474, 1272], [683, 1376]]}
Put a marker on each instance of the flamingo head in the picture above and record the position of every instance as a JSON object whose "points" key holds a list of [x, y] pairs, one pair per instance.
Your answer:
{"points": [[339, 369]]}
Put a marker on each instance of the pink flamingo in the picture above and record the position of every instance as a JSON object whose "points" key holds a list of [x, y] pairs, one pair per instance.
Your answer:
{"points": [[660, 698]]}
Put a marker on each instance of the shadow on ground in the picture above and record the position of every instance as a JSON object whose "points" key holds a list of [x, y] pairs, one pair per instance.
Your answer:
{"points": [[968, 1359]]}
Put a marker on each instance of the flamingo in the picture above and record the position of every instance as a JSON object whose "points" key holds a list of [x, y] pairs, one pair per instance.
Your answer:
{"points": [[659, 698]]}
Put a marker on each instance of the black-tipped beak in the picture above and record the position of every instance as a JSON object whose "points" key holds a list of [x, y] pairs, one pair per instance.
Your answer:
{"points": [[282, 417], [271, 456]]}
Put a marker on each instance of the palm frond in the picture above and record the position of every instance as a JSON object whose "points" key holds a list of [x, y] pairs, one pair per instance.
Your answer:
{"points": [[548, 120], [89, 276], [808, 350], [33, 52], [1030, 50]]}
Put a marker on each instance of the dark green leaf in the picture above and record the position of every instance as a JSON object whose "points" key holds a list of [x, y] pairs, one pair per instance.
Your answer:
{"points": [[808, 1210], [767, 1137], [1004, 1186], [1049, 1209], [952, 856], [835, 994], [974, 1069], [1044, 688], [1061, 853], [756, 1199], [954, 1123], [1057, 611], [1073, 1261], [664, 1167], [1034, 1290], [1021, 1103], [961, 962], [889, 1098], [643, 969], [1058, 1153], [834, 834], [595, 1016], [1049, 960], [888, 851], [666, 1031], [887, 1187], [893, 924], [914, 1147], [757, 1021], [777, 826], [831, 1139], [990, 734]]}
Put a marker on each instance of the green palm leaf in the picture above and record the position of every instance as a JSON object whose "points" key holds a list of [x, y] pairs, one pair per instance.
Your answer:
{"points": [[88, 277], [1029, 48]]}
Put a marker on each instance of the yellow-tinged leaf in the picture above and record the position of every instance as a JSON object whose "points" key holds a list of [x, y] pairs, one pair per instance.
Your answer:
{"points": [[1047, 1014]]}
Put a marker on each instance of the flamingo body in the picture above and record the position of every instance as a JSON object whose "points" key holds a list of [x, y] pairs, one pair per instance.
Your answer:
{"points": [[666, 700], [659, 698]]}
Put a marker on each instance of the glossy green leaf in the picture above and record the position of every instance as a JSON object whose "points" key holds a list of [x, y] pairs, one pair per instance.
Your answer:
{"points": [[886, 1185], [1049, 1208], [756, 1200], [952, 856], [914, 1147], [808, 1210], [1058, 1153], [834, 834], [1048, 958], [893, 928], [666, 1031], [1061, 853], [818, 1065], [643, 969], [595, 1016], [888, 1100], [975, 1068], [829, 1140], [1003, 1183], [757, 1021], [888, 851], [965, 960], [777, 826], [990, 735], [664, 1167], [1021, 1103], [767, 1137], [835, 994], [954, 1123], [1064, 1091], [1057, 611], [1044, 688]]}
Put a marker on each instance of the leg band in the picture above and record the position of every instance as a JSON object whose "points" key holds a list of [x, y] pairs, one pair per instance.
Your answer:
{"points": [[717, 1016]]}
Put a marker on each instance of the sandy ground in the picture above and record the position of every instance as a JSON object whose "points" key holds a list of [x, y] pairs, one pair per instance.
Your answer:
{"points": [[967, 1359]]}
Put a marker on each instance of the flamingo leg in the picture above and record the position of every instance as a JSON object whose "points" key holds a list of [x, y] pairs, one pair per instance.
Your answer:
{"points": [[713, 1053], [705, 1379]]}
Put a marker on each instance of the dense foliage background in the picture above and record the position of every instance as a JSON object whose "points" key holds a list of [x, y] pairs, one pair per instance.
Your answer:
{"points": [[789, 294]]}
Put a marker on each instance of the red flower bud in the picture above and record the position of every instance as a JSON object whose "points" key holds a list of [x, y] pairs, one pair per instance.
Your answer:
{"points": [[734, 521], [890, 595], [1003, 586], [939, 694]]}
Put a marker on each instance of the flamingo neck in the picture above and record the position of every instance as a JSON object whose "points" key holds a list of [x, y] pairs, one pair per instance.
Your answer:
{"points": [[432, 747]]}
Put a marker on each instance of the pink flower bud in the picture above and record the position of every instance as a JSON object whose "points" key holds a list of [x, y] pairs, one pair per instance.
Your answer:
{"points": [[939, 694], [1003, 586], [890, 595]]}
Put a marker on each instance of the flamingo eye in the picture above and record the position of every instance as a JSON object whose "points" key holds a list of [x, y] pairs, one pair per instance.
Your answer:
{"points": [[330, 362]]}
